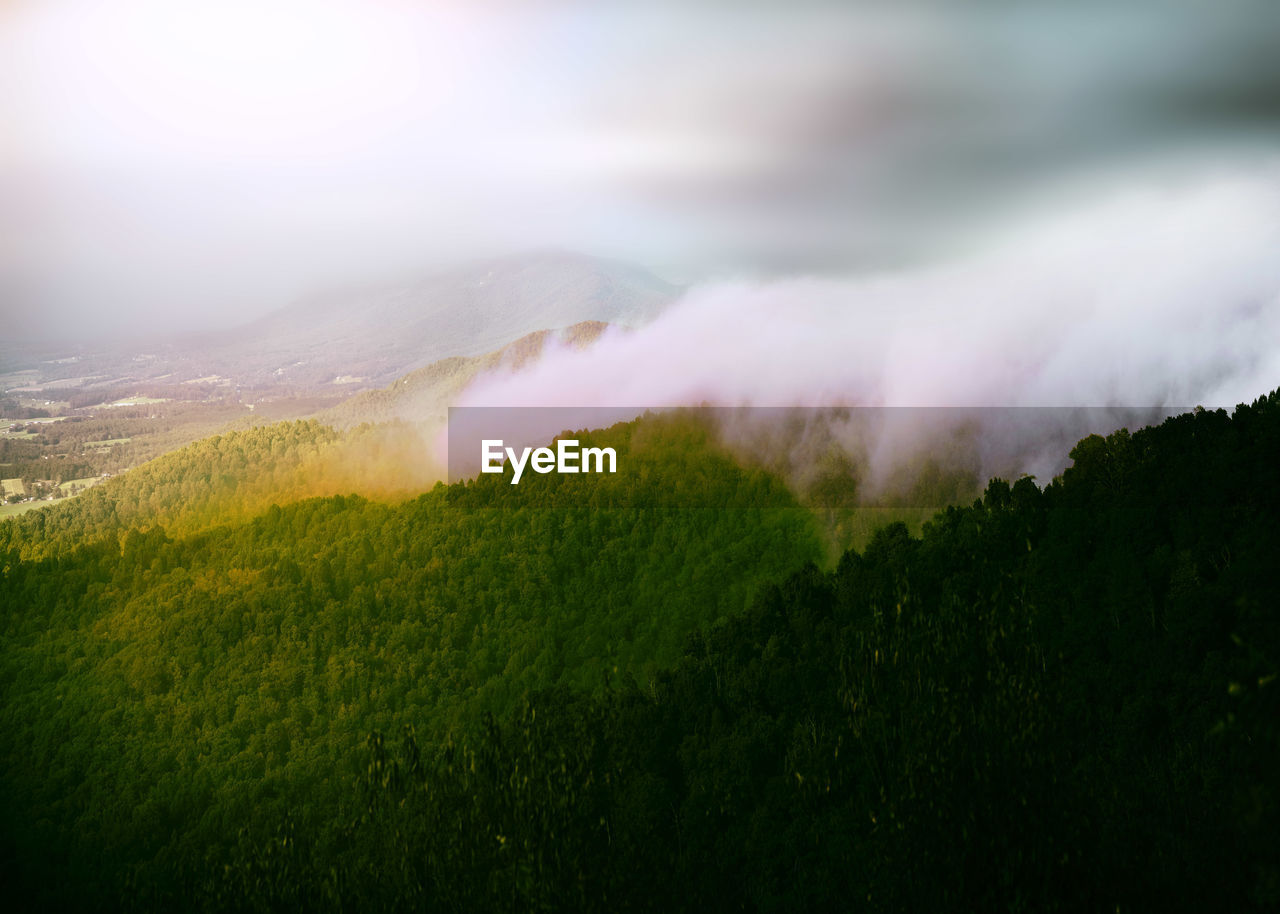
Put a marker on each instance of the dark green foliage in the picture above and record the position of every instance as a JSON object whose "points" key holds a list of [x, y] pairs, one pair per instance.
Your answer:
{"points": [[1051, 700], [160, 690], [1057, 700]]}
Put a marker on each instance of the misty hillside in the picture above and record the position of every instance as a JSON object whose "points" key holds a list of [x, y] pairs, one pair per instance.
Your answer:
{"points": [[378, 335], [425, 394]]}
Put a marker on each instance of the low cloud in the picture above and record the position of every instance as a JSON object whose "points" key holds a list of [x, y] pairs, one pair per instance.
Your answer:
{"points": [[1164, 298]]}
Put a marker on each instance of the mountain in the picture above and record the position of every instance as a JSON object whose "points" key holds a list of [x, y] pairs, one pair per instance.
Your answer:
{"points": [[584, 692], [375, 336], [355, 339], [225, 620]]}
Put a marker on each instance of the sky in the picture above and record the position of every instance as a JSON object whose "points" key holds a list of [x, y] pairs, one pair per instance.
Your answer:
{"points": [[169, 166]]}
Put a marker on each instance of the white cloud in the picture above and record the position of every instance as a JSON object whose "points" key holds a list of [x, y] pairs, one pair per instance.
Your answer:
{"points": [[1164, 297]]}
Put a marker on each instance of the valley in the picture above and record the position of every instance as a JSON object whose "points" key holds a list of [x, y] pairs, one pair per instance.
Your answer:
{"points": [[71, 411]]}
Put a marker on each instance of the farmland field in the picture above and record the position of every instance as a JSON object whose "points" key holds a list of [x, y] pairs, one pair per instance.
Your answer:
{"points": [[85, 483], [109, 442]]}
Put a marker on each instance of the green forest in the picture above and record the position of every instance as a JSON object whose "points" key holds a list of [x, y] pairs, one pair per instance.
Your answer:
{"points": [[649, 691]]}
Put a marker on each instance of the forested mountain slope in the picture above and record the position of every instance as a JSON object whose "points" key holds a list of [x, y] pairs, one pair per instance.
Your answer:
{"points": [[231, 478], [1057, 699], [1052, 700], [426, 394], [161, 690]]}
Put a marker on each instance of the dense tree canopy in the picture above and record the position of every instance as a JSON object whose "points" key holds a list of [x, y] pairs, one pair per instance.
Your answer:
{"points": [[159, 689], [495, 697]]}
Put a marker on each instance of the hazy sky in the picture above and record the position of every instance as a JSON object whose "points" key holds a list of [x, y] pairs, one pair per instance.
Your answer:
{"points": [[167, 164]]}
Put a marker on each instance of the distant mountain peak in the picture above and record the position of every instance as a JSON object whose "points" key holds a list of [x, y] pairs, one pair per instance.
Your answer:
{"points": [[383, 333]]}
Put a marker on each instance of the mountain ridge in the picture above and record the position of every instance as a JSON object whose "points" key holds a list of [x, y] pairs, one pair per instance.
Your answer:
{"points": [[360, 337], [426, 393], [383, 333]]}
